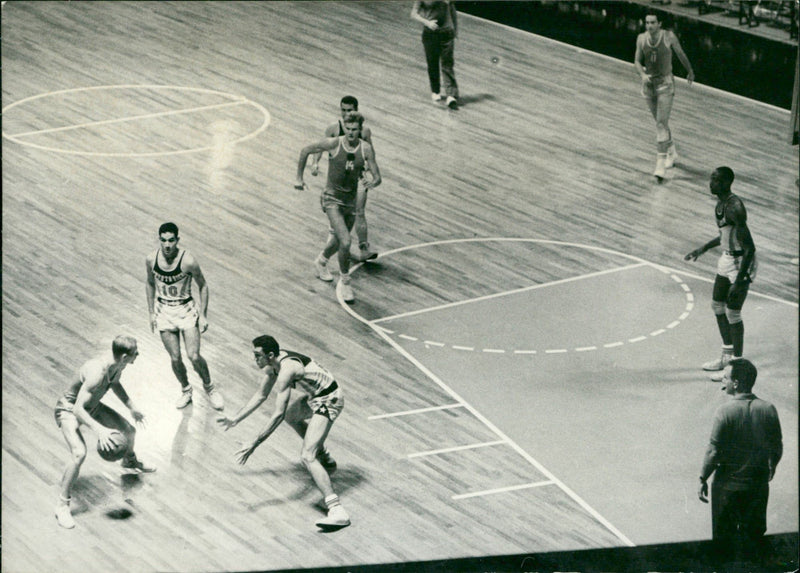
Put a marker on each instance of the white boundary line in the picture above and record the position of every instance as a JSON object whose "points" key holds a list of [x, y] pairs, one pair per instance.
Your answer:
{"points": [[417, 411], [509, 292], [491, 426], [504, 437], [456, 449], [502, 489], [402, 351], [613, 59]]}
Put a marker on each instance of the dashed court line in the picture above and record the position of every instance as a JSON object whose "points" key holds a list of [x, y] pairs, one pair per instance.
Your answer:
{"points": [[530, 351], [385, 334]]}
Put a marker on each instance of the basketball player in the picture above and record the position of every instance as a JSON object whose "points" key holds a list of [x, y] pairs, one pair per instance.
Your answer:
{"points": [[349, 156], [349, 105], [170, 271], [80, 408], [285, 370], [736, 268], [653, 61]]}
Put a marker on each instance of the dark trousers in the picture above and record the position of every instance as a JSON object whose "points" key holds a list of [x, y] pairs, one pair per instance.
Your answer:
{"points": [[439, 47], [739, 519]]}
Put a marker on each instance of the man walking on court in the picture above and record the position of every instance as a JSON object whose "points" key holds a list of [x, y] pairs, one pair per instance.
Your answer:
{"points": [[349, 156], [653, 61], [80, 408], [285, 370], [736, 268], [440, 28], [745, 448], [348, 106], [170, 272]]}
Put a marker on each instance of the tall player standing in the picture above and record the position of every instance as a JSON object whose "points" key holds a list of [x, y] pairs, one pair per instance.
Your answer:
{"points": [[170, 272], [653, 61]]}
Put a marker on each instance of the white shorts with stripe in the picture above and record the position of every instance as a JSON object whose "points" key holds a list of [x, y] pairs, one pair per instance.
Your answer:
{"points": [[728, 266], [176, 317]]}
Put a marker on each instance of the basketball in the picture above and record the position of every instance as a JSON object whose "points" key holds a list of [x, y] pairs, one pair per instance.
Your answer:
{"points": [[120, 447]]}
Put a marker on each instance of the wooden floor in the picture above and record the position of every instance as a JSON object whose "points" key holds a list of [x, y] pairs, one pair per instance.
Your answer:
{"points": [[217, 100]]}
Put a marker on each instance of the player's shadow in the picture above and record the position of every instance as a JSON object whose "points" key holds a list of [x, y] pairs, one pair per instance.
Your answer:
{"points": [[474, 98], [99, 491], [181, 440], [343, 480]]}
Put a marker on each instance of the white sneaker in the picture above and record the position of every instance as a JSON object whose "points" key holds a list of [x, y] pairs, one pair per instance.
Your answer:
{"points": [[672, 157], [337, 517], [214, 397], [451, 102], [661, 168], [344, 290], [436, 97], [365, 255], [720, 363], [322, 271], [64, 516], [185, 399]]}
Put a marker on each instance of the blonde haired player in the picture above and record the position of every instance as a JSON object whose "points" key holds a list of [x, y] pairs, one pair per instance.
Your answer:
{"points": [[80, 407]]}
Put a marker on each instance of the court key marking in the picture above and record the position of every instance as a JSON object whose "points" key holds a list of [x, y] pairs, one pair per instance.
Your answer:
{"points": [[615, 344]]}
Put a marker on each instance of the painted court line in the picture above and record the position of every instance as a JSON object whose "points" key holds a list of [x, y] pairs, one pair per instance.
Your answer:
{"points": [[510, 292], [456, 449], [417, 411], [502, 489], [129, 118], [530, 459]]}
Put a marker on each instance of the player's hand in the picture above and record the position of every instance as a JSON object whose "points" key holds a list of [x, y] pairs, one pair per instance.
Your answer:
{"points": [[152, 322], [432, 25], [702, 492], [244, 454], [104, 439], [202, 323], [300, 185], [138, 417], [690, 78], [735, 289], [646, 78], [314, 169], [693, 255], [226, 422]]}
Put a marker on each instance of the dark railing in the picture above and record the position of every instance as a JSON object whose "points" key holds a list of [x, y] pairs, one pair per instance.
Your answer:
{"points": [[722, 57]]}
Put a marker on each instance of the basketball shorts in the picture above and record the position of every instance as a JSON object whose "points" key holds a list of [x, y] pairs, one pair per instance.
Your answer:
{"points": [[658, 87], [347, 205], [728, 266], [64, 409], [329, 405], [176, 317]]}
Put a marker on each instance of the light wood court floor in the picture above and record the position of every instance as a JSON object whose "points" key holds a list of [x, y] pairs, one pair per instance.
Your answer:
{"points": [[118, 116]]}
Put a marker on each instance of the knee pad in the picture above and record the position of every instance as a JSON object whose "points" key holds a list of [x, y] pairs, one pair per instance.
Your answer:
{"points": [[719, 307], [734, 316]]}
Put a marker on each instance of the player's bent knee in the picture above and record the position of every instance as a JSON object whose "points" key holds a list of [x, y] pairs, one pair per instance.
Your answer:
{"points": [[78, 456], [308, 456], [718, 307], [734, 315]]}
